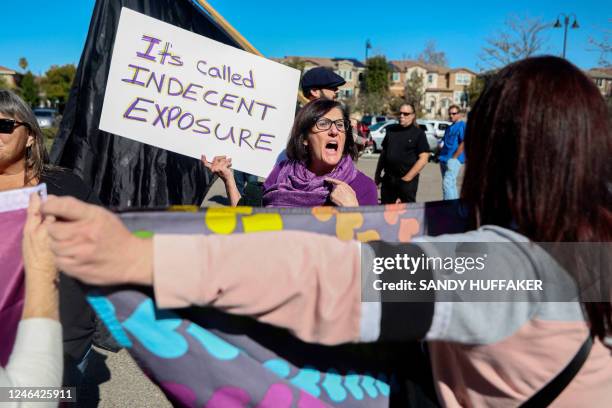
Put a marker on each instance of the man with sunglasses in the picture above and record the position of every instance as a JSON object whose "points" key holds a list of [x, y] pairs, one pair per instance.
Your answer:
{"points": [[405, 153], [451, 156]]}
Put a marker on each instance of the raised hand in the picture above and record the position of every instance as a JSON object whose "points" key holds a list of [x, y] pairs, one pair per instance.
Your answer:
{"points": [[342, 195]]}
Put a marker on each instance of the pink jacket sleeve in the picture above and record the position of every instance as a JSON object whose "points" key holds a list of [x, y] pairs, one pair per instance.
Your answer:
{"points": [[264, 275]]}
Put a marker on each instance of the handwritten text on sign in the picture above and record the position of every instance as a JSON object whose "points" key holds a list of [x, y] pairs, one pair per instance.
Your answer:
{"points": [[179, 91]]}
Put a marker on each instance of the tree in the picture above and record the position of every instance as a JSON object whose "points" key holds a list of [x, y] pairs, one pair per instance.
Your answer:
{"points": [[57, 82], [3, 83], [295, 63], [603, 46], [23, 63], [474, 89], [521, 38], [415, 92], [376, 76], [375, 85], [432, 56], [29, 89]]}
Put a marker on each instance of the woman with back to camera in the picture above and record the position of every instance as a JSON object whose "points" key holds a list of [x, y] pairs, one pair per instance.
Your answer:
{"points": [[319, 169], [538, 148]]}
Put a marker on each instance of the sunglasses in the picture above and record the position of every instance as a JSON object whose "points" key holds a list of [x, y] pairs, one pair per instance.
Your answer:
{"points": [[453, 113], [406, 113], [326, 124], [7, 126]]}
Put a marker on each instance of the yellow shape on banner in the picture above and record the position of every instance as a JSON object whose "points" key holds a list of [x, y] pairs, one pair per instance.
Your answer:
{"points": [[184, 208], [223, 220], [262, 222], [369, 235], [324, 213], [347, 223]]}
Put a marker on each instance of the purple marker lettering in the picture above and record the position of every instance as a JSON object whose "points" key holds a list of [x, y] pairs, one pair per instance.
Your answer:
{"points": [[206, 97], [133, 80], [133, 107], [147, 54], [248, 108], [244, 138], [261, 140], [189, 91], [172, 116], [180, 121], [215, 73], [236, 79], [249, 82], [200, 124], [201, 69], [176, 60], [160, 114], [265, 109], [164, 53], [228, 98], [158, 83], [179, 91], [230, 133]]}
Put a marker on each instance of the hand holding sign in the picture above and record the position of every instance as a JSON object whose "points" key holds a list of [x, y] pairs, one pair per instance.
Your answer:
{"points": [[186, 93]]}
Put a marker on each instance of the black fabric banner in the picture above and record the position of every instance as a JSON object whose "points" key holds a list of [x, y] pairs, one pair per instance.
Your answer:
{"points": [[125, 173]]}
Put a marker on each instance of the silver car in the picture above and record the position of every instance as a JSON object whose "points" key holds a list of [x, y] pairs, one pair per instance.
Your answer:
{"points": [[46, 118]]}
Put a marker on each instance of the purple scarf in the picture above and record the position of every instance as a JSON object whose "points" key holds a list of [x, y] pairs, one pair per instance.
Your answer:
{"points": [[296, 186]]}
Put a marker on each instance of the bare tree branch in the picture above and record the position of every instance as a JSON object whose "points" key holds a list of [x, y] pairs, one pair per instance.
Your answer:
{"points": [[521, 38], [603, 46]]}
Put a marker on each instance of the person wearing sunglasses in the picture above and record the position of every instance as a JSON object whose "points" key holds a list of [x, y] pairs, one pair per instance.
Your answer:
{"points": [[451, 155], [405, 153], [23, 163], [319, 169]]}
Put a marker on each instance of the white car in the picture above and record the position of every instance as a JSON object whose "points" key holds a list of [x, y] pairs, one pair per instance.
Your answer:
{"points": [[439, 127], [378, 132]]}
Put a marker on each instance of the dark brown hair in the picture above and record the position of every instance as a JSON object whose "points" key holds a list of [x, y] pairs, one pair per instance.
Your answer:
{"points": [[538, 148], [37, 158], [305, 120]]}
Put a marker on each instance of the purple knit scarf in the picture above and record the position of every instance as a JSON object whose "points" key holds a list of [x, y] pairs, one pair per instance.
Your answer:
{"points": [[296, 186]]}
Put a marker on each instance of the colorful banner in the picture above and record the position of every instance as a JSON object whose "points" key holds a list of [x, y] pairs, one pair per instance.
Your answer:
{"points": [[201, 357]]}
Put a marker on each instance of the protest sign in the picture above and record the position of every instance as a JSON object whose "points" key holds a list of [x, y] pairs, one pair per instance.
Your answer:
{"points": [[182, 92]]}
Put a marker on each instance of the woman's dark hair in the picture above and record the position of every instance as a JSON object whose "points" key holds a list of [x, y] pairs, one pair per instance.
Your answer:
{"points": [[37, 158], [538, 148], [305, 120]]}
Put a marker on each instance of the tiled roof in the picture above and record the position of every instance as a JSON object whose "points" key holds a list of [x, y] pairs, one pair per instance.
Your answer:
{"points": [[605, 73], [5, 70]]}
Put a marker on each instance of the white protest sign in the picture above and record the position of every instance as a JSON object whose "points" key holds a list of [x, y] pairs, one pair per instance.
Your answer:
{"points": [[179, 91]]}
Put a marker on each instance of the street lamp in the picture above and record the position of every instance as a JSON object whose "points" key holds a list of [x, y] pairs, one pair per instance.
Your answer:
{"points": [[566, 19], [368, 45]]}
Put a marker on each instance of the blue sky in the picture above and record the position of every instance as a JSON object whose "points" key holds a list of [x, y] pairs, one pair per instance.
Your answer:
{"points": [[53, 32]]}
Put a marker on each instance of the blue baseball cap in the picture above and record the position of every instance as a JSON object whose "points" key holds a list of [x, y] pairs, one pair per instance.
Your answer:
{"points": [[321, 78]]}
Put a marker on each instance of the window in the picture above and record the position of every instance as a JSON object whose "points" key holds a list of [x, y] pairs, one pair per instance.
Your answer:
{"points": [[599, 82], [396, 77], [430, 79], [350, 76], [348, 93], [462, 79], [457, 97]]}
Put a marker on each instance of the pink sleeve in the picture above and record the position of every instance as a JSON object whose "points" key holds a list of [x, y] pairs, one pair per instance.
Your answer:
{"points": [[305, 282]]}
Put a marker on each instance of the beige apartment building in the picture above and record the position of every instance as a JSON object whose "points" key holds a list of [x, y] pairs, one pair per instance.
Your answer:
{"points": [[442, 86], [603, 80], [8, 75], [348, 68]]}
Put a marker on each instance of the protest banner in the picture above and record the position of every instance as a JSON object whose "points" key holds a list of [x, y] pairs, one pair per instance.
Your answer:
{"points": [[182, 92]]}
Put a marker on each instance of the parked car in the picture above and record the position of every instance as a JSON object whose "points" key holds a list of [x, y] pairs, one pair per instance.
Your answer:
{"points": [[439, 127], [369, 120], [45, 117], [378, 132]]}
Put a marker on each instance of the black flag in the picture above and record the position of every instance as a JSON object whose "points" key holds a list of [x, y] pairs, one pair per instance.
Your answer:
{"points": [[125, 173]]}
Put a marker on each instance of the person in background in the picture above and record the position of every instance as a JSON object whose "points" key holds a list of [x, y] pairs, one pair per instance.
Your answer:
{"points": [[321, 82], [451, 155], [319, 169], [405, 152], [36, 358], [24, 162], [500, 353]]}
